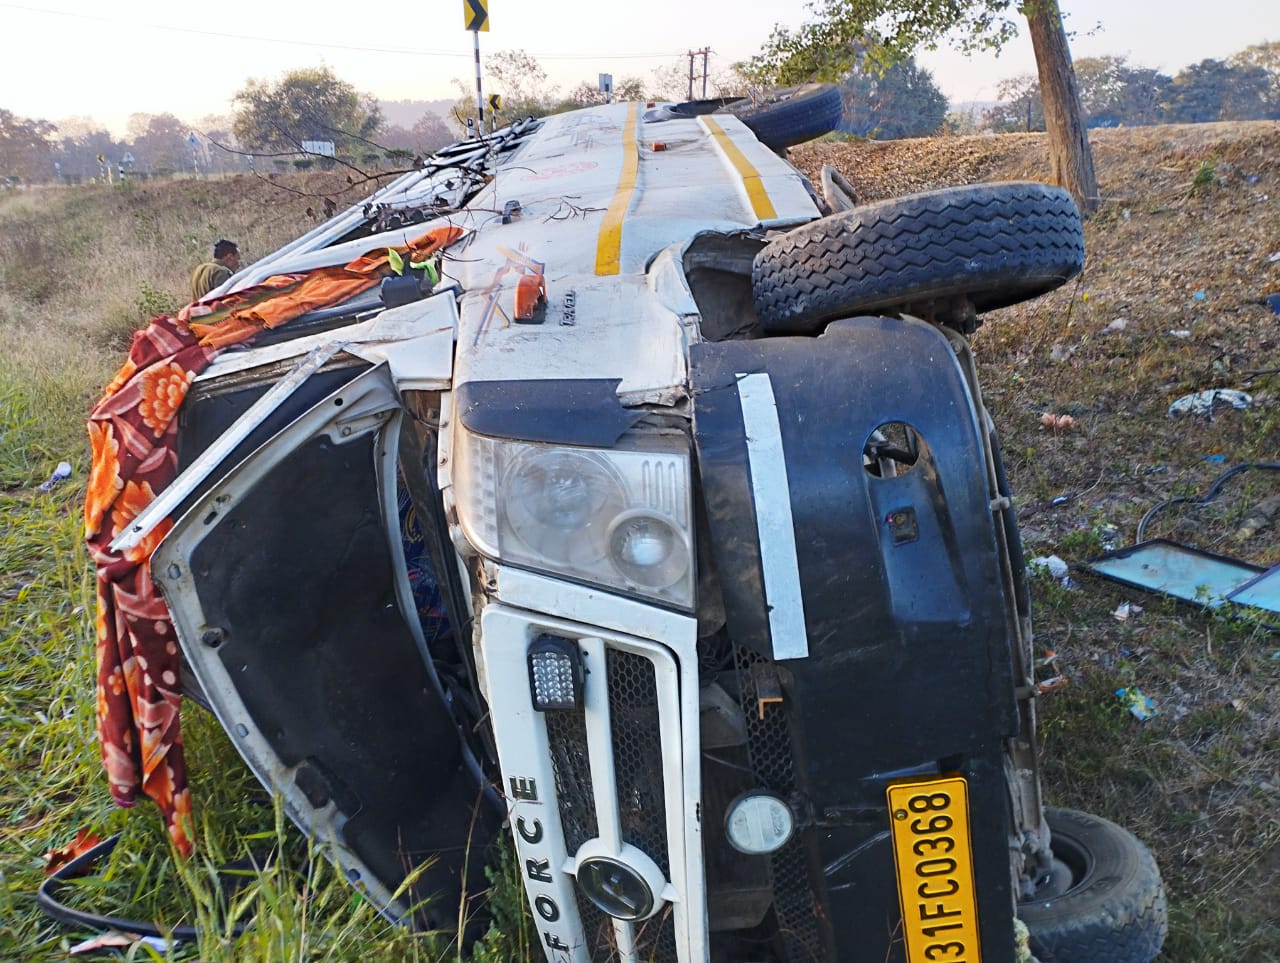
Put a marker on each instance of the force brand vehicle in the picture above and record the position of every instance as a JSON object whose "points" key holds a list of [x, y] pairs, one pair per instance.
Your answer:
{"points": [[656, 517]]}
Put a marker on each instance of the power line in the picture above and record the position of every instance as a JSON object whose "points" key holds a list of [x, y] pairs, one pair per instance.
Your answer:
{"points": [[324, 45]]}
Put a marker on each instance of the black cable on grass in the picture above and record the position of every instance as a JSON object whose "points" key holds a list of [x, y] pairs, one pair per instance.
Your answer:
{"points": [[1204, 499], [54, 908]]}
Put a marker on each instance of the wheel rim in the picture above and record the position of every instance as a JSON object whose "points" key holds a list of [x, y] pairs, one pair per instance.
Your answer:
{"points": [[1071, 865]]}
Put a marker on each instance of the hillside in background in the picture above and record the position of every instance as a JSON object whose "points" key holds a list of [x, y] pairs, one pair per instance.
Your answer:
{"points": [[406, 113], [1182, 254]]}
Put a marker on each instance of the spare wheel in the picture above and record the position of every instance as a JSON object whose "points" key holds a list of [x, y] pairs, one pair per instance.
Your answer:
{"points": [[1107, 903], [988, 245], [792, 115]]}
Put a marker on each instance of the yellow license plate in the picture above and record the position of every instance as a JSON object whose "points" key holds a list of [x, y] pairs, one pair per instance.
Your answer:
{"points": [[934, 857]]}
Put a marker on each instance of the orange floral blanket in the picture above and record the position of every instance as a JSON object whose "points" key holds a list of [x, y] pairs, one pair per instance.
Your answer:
{"points": [[132, 436]]}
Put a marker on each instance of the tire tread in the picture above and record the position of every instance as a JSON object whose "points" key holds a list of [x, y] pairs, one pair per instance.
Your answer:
{"points": [[1119, 915], [998, 244]]}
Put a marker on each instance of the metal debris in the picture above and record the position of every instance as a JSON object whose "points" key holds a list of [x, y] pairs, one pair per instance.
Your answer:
{"points": [[1125, 611]]}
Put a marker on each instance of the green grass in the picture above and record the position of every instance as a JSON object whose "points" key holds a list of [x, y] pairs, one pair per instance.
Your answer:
{"points": [[296, 908]]}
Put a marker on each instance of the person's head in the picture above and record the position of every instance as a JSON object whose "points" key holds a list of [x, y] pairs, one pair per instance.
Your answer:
{"points": [[226, 252]]}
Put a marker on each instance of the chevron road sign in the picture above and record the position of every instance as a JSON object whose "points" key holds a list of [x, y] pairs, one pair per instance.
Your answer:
{"points": [[475, 14]]}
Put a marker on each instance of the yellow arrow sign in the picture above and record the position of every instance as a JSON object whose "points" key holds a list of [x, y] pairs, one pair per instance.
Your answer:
{"points": [[495, 102], [475, 14]]}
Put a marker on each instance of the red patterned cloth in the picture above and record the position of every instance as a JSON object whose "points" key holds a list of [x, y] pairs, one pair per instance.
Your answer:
{"points": [[132, 434]]}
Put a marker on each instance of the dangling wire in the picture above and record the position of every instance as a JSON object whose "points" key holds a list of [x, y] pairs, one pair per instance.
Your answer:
{"points": [[1204, 499]]}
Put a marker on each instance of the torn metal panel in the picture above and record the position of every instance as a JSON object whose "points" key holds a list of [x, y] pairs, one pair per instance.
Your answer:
{"points": [[309, 655], [214, 455]]}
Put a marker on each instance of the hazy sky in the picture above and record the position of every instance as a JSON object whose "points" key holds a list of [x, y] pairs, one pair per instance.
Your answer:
{"points": [[62, 58]]}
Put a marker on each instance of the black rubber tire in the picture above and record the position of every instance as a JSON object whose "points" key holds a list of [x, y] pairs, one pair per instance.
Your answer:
{"points": [[792, 116], [995, 244], [1114, 909]]}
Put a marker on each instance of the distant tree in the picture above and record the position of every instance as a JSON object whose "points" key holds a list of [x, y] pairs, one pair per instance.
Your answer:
{"points": [[431, 132], [671, 82], [427, 135], [826, 47], [162, 144], [518, 79], [223, 150], [1265, 56], [26, 150], [78, 149], [395, 137], [962, 122], [310, 103], [1114, 92], [1020, 108], [587, 93], [1214, 90], [902, 101]]}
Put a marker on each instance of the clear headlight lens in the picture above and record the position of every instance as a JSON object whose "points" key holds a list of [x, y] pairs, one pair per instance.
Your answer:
{"points": [[557, 501], [618, 517]]}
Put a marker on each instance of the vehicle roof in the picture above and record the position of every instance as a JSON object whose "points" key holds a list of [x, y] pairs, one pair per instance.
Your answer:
{"points": [[593, 198]]}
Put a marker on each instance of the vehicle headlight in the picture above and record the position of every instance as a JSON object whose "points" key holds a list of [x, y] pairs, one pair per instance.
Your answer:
{"points": [[618, 517]]}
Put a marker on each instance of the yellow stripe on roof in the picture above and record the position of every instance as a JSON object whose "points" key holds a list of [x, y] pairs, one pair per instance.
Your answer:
{"points": [[609, 248], [751, 180]]}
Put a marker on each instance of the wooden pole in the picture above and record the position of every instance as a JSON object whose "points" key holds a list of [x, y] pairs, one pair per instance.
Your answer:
{"points": [[1070, 158]]}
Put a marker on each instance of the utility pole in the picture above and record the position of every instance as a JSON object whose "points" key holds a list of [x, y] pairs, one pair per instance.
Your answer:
{"points": [[695, 53], [479, 87]]}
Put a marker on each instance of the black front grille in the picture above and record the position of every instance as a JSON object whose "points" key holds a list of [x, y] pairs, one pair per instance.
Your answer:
{"points": [[597, 928], [769, 747], [567, 736], [637, 754], [655, 937]]}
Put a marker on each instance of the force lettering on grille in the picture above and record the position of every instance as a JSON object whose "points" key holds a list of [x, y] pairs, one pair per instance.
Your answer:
{"points": [[934, 858]]}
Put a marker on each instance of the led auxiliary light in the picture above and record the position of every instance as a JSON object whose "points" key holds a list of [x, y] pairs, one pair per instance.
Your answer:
{"points": [[555, 673], [758, 823]]}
